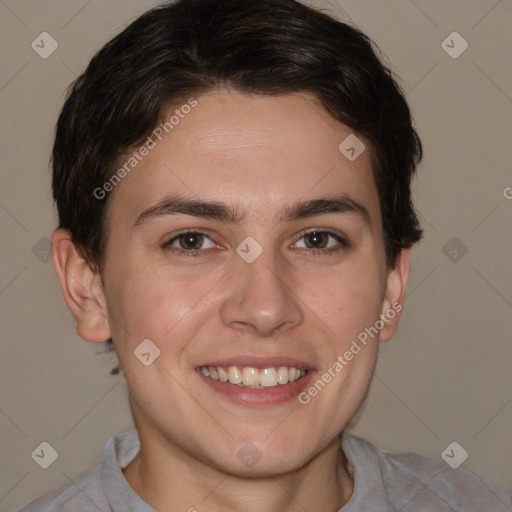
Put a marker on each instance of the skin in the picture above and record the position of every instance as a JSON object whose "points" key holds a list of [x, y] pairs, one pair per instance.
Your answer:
{"points": [[258, 154]]}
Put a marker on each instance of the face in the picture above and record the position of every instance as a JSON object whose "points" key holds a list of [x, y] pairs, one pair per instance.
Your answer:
{"points": [[281, 268]]}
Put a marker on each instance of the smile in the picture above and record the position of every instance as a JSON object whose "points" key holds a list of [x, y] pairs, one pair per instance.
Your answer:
{"points": [[256, 378]]}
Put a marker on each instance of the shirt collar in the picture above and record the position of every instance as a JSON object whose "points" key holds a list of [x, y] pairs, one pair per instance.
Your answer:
{"points": [[120, 450]]}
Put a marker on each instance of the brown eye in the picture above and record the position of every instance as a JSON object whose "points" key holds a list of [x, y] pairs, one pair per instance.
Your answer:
{"points": [[316, 239], [321, 242], [191, 242]]}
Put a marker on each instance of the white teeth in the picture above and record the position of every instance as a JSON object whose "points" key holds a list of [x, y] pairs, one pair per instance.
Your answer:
{"points": [[223, 374], [254, 377], [282, 375], [234, 376], [250, 376], [268, 377]]}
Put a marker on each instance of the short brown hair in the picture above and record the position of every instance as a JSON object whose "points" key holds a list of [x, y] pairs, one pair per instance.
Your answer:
{"points": [[259, 46]]}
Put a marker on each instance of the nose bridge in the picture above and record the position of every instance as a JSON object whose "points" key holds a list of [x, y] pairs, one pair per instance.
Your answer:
{"points": [[265, 275], [259, 296]]}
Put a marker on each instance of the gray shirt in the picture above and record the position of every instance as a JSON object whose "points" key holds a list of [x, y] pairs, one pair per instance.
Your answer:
{"points": [[382, 483]]}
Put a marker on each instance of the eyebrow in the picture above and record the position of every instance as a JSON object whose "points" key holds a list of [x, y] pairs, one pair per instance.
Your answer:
{"points": [[176, 205]]}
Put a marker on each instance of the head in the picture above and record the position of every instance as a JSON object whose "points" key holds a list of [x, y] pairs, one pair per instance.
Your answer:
{"points": [[238, 121]]}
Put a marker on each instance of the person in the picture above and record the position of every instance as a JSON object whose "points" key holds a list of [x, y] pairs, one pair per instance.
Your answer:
{"points": [[232, 181]]}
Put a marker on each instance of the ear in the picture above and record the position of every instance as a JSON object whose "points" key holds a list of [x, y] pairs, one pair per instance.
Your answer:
{"points": [[82, 289], [395, 295]]}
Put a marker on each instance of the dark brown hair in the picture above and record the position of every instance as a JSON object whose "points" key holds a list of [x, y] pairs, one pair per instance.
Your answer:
{"points": [[270, 47]]}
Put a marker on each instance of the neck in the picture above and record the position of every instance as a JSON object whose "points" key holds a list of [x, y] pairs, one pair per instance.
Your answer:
{"points": [[167, 478]]}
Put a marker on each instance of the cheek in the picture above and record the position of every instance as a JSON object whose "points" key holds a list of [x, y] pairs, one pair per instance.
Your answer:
{"points": [[153, 303], [350, 300]]}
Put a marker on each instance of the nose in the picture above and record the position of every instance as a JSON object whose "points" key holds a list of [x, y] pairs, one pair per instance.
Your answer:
{"points": [[261, 297]]}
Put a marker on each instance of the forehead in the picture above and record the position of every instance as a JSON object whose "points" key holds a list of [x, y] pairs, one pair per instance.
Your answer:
{"points": [[256, 152]]}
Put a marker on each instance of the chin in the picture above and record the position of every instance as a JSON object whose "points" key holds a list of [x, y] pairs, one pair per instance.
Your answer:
{"points": [[261, 458], [257, 465]]}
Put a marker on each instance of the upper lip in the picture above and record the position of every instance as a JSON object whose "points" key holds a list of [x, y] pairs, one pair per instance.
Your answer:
{"points": [[259, 362]]}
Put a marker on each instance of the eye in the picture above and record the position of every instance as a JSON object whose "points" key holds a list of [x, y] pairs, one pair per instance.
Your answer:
{"points": [[191, 242], [322, 241], [194, 243]]}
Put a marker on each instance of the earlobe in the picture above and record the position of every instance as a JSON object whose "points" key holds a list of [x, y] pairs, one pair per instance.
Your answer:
{"points": [[395, 295], [81, 288]]}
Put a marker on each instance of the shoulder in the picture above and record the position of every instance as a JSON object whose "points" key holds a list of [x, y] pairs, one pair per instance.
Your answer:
{"points": [[94, 490], [83, 493], [412, 481]]}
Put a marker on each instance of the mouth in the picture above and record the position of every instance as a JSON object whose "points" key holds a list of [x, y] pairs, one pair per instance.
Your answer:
{"points": [[251, 381], [254, 378]]}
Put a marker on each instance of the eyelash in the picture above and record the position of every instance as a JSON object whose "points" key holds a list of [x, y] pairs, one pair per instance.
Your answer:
{"points": [[198, 252]]}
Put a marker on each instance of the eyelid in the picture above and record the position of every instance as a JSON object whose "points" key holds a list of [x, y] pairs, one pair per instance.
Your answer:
{"points": [[189, 230]]}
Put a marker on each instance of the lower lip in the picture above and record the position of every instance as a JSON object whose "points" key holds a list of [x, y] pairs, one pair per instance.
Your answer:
{"points": [[274, 395]]}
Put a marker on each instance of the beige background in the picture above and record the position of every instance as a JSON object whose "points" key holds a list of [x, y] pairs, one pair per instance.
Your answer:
{"points": [[445, 377]]}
